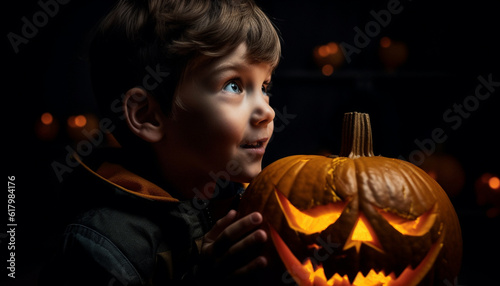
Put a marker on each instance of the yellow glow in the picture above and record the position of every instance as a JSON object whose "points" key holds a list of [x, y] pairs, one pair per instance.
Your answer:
{"points": [[47, 118], [417, 227], [305, 273], [362, 233], [494, 183], [312, 220]]}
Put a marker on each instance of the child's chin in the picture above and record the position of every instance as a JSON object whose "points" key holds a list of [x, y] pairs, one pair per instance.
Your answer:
{"points": [[248, 174]]}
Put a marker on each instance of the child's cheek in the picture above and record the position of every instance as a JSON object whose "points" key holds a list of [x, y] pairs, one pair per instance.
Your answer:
{"points": [[229, 122], [270, 128]]}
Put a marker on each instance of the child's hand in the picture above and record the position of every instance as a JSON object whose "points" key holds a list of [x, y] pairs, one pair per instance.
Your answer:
{"points": [[229, 248]]}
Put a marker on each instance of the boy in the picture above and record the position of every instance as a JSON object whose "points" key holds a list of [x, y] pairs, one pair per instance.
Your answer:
{"points": [[185, 84]]}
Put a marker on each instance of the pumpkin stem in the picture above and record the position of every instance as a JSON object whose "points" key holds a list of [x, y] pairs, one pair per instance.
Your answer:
{"points": [[356, 136]]}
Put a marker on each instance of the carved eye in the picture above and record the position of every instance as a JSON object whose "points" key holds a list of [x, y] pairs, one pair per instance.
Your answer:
{"points": [[414, 227], [312, 220]]}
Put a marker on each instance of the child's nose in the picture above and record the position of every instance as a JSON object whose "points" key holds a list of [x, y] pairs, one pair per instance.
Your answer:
{"points": [[263, 113]]}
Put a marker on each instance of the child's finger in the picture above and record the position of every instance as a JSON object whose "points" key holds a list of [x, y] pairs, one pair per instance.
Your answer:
{"points": [[242, 252], [254, 239], [235, 231], [256, 264], [220, 225]]}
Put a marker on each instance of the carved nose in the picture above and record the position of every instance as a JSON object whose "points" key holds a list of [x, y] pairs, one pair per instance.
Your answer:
{"points": [[363, 233]]}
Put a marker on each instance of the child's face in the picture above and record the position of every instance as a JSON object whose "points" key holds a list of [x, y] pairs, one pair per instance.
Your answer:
{"points": [[226, 121]]}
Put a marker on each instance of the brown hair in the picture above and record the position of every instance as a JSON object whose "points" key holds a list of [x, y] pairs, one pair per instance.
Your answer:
{"points": [[151, 43]]}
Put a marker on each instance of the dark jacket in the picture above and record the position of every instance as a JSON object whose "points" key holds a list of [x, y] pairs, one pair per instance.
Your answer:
{"points": [[128, 231]]}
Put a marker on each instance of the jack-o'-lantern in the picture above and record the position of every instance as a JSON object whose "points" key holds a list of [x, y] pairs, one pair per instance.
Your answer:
{"points": [[354, 219]]}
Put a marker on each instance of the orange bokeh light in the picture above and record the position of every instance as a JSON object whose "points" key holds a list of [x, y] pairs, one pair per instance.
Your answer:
{"points": [[328, 49], [327, 70], [494, 183], [385, 42], [78, 121], [46, 127], [323, 51], [333, 48], [47, 118]]}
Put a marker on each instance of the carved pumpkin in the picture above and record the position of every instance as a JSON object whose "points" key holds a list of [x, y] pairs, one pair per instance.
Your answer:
{"points": [[356, 219]]}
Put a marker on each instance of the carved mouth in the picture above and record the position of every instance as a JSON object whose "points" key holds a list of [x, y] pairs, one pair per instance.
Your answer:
{"points": [[306, 274]]}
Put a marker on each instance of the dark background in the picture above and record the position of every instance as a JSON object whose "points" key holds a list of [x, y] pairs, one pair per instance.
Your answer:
{"points": [[450, 44]]}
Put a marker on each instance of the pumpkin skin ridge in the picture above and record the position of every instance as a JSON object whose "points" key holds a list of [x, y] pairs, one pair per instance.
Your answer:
{"points": [[445, 206], [297, 170], [423, 179], [409, 180], [451, 227], [315, 177], [334, 164], [257, 188], [412, 249]]}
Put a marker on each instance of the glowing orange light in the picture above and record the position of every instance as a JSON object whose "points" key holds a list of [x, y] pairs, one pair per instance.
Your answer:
{"points": [[312, 220], [417, 227], [494, 183], [71, 122], [46, 127], [78, 121], [385, 42], [47, 118], [485, 178], [333, 48], [306, 273], [327, 70], [323, 51], [362, 233]]}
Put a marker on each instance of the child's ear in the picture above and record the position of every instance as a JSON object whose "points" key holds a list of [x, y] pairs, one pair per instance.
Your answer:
{"points": [[143, 114]]}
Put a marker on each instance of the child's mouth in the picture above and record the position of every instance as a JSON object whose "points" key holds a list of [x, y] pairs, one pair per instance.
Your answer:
{"points": [[252, 145], [255, 148]]}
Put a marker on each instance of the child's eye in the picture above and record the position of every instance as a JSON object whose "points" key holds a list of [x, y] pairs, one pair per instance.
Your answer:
{"points": [[232, 86], [265, 88]]}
